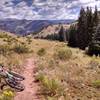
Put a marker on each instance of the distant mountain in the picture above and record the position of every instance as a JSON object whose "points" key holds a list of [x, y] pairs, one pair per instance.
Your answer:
{"points": [[51, 30], [24, 27]]}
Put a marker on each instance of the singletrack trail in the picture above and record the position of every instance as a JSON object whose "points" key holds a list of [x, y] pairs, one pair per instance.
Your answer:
{"points": [[30, 92]]}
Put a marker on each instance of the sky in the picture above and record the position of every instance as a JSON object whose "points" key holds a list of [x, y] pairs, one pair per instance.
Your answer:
{"points": [[44, 9]]}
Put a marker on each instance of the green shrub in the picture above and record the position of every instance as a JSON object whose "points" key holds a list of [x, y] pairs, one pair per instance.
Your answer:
{"points": [[4, 49], [9, 40], [7, 95], [94, 48], [41, 52], [96, 83], [29, 40], [51, 63], [18, 36], [19, 48], [39, 77], [63, 54], [93, 63], [3, 35], [50, 87]]}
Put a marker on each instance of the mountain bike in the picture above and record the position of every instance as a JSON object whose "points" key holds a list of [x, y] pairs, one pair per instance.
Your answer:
{"points": [[12, 79]]}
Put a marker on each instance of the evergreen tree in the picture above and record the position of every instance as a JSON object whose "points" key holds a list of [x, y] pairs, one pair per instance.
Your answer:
{"points": [[95, 20], [81, 29], [67, 34], [87, 33], [96, 17], [72, 36], [94, 47], [85, 27], [89, 26], [61, 34]]}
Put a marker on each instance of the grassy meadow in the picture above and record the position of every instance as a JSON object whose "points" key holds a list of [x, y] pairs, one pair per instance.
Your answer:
{"points": [[63, 73]]}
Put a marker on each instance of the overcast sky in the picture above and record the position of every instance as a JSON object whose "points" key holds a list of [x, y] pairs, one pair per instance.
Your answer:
{"points": [[44, 9]]}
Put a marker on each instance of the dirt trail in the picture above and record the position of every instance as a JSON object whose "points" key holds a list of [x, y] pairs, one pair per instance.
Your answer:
{"points": [[30, 86]]}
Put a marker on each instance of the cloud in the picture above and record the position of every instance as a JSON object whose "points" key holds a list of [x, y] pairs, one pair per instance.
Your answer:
{"points": [[44, 9]]}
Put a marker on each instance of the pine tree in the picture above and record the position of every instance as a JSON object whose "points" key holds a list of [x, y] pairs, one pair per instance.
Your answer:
{"points": [[94, 47], [72, 36], [95, 20], [89, 26], [67, 34], [61, 34], [85, 27], [96, 17], [81, 29]]}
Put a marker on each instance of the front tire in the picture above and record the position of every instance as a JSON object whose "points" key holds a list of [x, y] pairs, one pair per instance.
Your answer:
{"points": [[18, 86]]}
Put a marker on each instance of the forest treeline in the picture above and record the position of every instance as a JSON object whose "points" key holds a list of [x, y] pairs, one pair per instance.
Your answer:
{"points": [[85, 32]]}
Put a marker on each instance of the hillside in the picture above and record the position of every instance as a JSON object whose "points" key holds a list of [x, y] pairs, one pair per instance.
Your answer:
{"points": [[50, 30], [61, 72]]}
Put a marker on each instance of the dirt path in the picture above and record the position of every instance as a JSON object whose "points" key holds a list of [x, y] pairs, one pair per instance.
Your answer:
{"points": [[30, 86]]}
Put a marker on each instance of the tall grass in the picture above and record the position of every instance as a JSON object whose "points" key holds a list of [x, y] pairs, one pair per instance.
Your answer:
{"points": [[96, 84], [19, 48], [50, 87], [41, 52], [4, 49], [63, 53]]}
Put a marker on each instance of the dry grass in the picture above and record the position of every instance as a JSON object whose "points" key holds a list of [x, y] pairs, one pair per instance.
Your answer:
{"points": [[13, 51], [77, 74]]}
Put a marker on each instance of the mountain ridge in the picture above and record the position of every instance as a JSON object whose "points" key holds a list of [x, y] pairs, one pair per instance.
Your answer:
{"points": [[24, 27]]}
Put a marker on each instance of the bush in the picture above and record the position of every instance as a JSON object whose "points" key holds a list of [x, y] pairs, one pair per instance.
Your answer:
{"points": [[93, 64], [19, 48], [29, 40], [63, 54], [51, 63], [7, 95], [94, 48], [41, 52], [4, 49], [3, 35], [51, 87], [96, 83]]}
